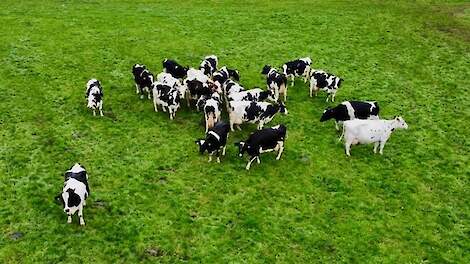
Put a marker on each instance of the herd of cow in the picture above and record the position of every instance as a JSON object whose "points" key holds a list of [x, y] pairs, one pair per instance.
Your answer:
{"points": [[208, 88]]}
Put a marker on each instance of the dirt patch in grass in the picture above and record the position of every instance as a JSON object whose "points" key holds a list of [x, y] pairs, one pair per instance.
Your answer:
{"points": [[453, 20]]}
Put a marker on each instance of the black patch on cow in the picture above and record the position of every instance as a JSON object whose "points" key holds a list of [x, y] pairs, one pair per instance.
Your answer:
{"points": [[295, 67], [266, 138], [266, 69], [176, 70], [252, 111], [74, 199]]}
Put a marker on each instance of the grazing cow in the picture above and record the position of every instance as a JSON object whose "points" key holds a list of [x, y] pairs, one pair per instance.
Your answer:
{"points": [[94, 95], [175, 69], [75, 192], [209, 65], [349, 110], [276, 81], [253, 112], [360, 131], [320, 80], [256, 95], [167, 97], [261, 141], [215, 141], [211, 106], [223, 74], [143, 80], [297, 68]]}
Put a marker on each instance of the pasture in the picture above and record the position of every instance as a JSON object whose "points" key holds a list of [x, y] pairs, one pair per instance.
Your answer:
{"points": [[155, 199]]}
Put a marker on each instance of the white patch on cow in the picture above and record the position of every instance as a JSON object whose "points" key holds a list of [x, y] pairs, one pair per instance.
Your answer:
{"points": [[215, 135], [350, 109]]}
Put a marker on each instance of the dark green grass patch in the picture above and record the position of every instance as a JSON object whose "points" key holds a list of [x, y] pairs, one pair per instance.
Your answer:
{"points": [[155, 199]]}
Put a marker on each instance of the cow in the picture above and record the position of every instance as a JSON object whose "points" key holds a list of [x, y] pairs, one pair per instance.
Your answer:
{"points": [[94, 96], [175, 69], [359, 131], [349, 110], [253, 112], [215, 141], [255, 94], [261, 141], [223, 74], [143, 80], [211, 106], [75, 192], [297, 68], [168, 79], [209, 65], [276, 81], [198, 84], [167, 97], [321, 80]]}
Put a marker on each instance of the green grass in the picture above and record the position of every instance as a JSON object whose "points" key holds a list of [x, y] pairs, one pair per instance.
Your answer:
{"points": [[154, 199]]}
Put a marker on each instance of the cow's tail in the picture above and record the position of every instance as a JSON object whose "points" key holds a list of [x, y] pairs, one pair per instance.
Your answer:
{"points": [[342, 134], [210, 120]]}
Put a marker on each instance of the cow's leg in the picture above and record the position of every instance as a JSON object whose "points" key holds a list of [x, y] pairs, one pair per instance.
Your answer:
{"points": [[101, 108], [69, 219], [239, 128], [223, 150], [155, 104], [311, 89], [333, 96], [285, 94], [347, 146], [249, 163], [210, 157], [80, 215], [207, 123], [136, 89], [292, 80], [376, 145], [94, 112], [218, 156], [336, 125], [281, 149], [171, 113], [382, 145], [257, 160], [231, 125]]}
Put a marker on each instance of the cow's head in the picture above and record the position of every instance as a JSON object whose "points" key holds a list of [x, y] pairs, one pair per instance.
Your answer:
{"points": [[400, 123], [327, 114], [234, 74], [282, 108], [242, 147], [70, 201], [202, 145], [266, 69]]}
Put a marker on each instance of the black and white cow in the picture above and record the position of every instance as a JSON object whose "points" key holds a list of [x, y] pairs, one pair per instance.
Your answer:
{"points": [[255, 94], [349, 110], [209, 65], [168, 79], [167, 97], [215, 141], [223, 74], [276, 81], [94, 96], [176, 70], [253, 112], [198, 84], [297, 68], [75, 192], [212, 111], [143, 80], [261, 141], [321, 80]]}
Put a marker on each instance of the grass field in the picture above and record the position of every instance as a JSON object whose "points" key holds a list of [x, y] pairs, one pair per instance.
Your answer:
{"points": [[155, 199]]}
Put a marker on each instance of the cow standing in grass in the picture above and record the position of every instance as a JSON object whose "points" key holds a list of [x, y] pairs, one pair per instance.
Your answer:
{"points": [[359, 131], [253, 112], [215, 141], [262, 141], [143, 80], [94, 95], [276, 82], [297, 68], [75, 192], [349, 110], [321, 80]]}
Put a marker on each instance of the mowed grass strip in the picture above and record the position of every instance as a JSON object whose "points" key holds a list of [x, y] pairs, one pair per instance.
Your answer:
{"points": [[155, 199]]}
